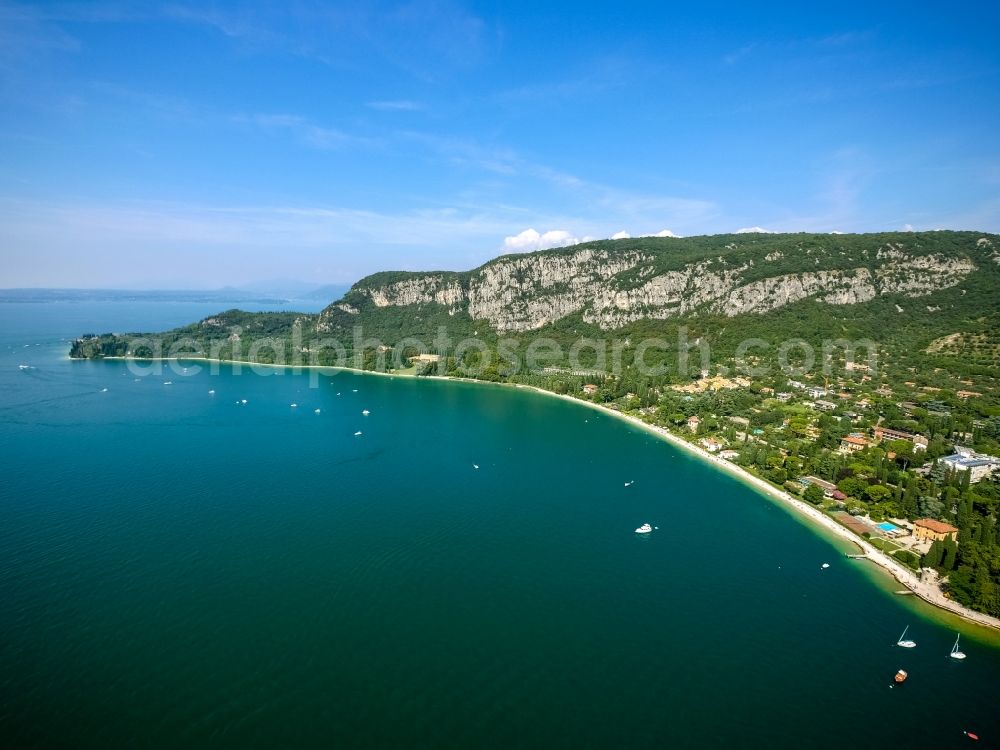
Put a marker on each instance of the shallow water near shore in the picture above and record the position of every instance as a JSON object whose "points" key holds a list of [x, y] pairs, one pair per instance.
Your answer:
{"points": [[180, 568]]}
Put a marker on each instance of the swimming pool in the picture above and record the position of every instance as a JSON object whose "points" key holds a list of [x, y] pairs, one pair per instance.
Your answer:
{"points": [[886, 526]]}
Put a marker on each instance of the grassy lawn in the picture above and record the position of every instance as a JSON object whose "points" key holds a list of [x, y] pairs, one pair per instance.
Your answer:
{"points": [[886, 545]]}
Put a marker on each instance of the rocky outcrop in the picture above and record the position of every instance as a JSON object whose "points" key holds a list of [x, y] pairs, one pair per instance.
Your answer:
{"points": [[987, 244], [916, 277], [419, 290], [525, 292], [611, 288]]}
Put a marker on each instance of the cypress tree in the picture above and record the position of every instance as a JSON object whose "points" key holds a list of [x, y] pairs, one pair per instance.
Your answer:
{"points": [[933, 557], [950, 551], [989, 531]]}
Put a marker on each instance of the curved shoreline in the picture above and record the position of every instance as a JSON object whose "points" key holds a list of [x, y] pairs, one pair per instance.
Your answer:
{"points": [[908, 578]]}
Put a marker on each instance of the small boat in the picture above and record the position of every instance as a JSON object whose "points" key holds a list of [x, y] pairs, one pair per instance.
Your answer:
{"points": [[24, 367], [211, 392], [357, 433], [293, 406], [629, 484], [316, 411], [970, 735], [903, 642], [168, 382], [104, 390], [355, 390], [955, 653], [901, 676], [475, 466], [243, 401], [644, 529], [365, 412], [824, 566]]}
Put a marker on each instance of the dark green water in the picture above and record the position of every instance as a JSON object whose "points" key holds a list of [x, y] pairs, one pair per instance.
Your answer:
{"points": [[179, 570]]}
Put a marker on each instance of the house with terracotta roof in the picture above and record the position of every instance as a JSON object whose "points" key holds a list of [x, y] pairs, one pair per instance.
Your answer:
{"points": [[693, 422], [711, 445], [853, 443], [884, 433], [590, 389], [936, 531], [828, 487]]}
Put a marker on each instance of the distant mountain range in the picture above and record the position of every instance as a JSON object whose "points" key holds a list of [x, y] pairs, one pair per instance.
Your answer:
{"points": [[257, 294]]}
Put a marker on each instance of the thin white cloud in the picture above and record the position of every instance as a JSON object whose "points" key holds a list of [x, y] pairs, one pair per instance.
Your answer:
{"points": [[305, 131], [907, 228], [117, 243], [420, 37], [737, 55], [615, 204], [665, 233], [622, 235], [754, 230], [395, 105], [530, 240]]}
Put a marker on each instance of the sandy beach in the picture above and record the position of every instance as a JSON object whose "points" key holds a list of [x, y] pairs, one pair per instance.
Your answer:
{"points": [[930, 593]]}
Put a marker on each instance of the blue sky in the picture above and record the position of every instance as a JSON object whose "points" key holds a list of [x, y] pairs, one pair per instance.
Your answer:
{"points": [[200, 145]]}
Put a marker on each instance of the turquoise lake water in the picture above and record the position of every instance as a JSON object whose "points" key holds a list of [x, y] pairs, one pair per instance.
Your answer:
{"points": [[179, 569]]}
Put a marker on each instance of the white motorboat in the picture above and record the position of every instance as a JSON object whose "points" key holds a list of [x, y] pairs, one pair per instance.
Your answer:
{"points": [[644, 529]]}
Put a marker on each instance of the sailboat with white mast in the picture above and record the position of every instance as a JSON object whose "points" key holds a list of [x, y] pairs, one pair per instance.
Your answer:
{"points": [[955, 653], [903, 642]]}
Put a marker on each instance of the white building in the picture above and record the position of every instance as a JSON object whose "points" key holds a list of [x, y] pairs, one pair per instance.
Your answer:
{"points": [[979, 465]]}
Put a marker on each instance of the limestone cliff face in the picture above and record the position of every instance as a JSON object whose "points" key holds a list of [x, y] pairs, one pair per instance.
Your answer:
{"points": [[417, 291], [611, 288], [525, 292], [987, 244]]}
